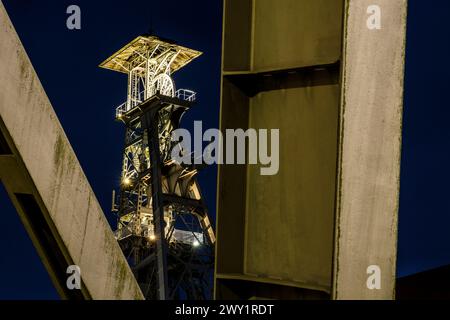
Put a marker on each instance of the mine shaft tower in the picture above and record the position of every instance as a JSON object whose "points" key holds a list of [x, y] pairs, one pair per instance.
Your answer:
{"points": [[163, 224]]}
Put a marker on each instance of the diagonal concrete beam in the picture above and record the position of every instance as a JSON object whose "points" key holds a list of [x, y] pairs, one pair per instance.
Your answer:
{"points": [[48, 187]]}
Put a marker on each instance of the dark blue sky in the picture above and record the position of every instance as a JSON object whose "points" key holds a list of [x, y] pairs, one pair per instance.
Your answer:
{"points": [[84, 98], [424, 226]]}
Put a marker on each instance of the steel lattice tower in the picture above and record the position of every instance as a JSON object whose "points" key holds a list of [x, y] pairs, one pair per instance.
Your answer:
{"points": [[163, 224]]}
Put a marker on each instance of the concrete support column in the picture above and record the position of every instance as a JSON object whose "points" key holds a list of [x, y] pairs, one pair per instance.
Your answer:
{"points": [[370, 149]]}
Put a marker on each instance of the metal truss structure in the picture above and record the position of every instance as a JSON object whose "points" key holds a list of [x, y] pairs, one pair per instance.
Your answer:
{"points": [[163, 224]]}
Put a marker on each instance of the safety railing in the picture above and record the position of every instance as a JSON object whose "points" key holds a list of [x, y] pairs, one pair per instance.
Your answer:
{"points": [[182, 94], [186, 95], [120, 110]]}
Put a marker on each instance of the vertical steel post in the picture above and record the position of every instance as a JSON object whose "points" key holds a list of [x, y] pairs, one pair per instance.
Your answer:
{"points": [[150, 123]]}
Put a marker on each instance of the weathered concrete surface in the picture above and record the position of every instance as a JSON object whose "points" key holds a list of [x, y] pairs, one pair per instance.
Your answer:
{"points": [[280, 71], [48, 187], [331, 212], [267, 35], [290, 215], [292, 33], [371, 120]]}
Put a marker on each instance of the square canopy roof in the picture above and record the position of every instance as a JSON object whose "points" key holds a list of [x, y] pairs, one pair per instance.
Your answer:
{"points": [[144, 45]]}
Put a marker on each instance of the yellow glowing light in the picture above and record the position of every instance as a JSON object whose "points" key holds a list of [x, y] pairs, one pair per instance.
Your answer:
{"points": [[126, 181], [152, 237]]}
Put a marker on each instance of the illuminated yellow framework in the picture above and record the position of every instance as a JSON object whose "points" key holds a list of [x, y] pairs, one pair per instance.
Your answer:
{"points": [[149, 62]]}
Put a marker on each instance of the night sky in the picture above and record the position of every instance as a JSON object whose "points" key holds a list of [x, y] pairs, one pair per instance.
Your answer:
{"points": [[85, 96]]}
